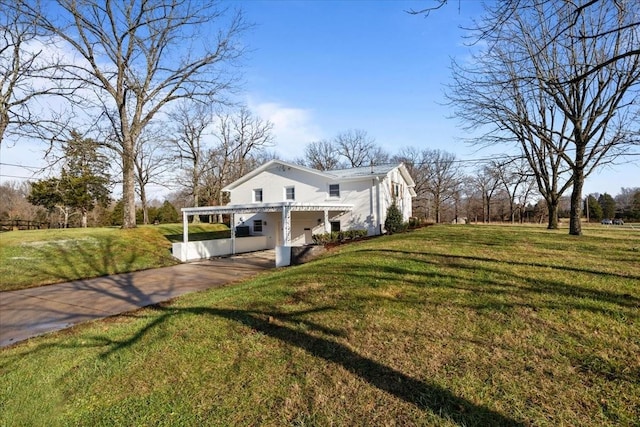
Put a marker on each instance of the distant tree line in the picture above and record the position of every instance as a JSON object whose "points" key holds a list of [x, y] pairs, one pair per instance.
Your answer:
{"points": [[448, 189], [557, 79]]}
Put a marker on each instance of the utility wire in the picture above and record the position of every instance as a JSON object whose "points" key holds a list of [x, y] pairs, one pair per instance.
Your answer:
{"points": [[20, 166]]}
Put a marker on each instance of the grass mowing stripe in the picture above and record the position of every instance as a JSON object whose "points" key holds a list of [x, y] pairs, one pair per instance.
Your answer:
{"points": [[448, 325]]}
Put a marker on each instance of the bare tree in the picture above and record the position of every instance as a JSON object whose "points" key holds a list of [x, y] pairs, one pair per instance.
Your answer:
{"points": [[322, 155], [139, 57], [534, 85], [28, 75], [516, 178], [240, 135], [191, 121], [14, 203], [616, 23], [443, 178], [487, 181], [152, 162], [356, 146], [416, 161]]}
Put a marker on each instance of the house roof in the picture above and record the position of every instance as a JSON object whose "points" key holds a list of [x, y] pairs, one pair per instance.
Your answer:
{"points": [[269, 165], [369, 171], [362, 172], [339, 174]]}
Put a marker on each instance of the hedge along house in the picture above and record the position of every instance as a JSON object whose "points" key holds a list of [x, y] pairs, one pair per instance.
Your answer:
{"points": [[280, 205]]}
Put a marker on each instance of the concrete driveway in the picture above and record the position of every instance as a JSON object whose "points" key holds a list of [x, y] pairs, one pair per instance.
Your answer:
{"points": [[31, 312]]}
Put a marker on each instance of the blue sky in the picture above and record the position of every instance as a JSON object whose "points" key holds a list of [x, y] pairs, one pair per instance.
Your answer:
{"points": [[365, 65], [317, 68]]}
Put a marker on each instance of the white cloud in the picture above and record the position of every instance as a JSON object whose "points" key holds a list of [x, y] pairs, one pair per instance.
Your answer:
{"points": [[293, 128]]}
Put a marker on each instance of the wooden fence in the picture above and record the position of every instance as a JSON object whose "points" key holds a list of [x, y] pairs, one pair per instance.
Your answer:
{"points": [[19, 224]]}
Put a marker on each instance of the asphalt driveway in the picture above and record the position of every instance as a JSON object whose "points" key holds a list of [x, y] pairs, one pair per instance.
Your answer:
{"points": [[31, 312]]}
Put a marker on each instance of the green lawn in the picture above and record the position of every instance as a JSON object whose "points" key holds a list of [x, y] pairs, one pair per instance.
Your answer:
{"points": [[40, 257], [448, 325]]}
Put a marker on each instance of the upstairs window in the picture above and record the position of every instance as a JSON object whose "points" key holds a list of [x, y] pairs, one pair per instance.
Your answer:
{"points": [[257, 195], [334, 190], [396, 189], [289, 193]]}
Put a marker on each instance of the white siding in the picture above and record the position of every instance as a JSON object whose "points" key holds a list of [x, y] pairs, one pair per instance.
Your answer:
{"points": [[370, 197]]}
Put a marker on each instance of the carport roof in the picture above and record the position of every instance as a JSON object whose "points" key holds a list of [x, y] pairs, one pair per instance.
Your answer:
{"points": [[265, 207]]}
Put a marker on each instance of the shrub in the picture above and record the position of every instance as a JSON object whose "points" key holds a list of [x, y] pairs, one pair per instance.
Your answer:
{"points": [[394, 223], [338, 236]]}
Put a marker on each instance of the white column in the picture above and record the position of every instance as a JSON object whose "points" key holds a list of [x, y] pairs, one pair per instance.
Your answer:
{"points": [[327, 224], [378, 206], [233, 233], [185, 236], [286, 226]]}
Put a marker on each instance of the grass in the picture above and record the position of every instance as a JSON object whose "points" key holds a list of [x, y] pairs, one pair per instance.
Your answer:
{"points": [[449, 325], [40, 257]]}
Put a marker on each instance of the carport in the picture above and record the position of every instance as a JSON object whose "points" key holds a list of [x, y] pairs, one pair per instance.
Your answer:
{"points": [[285, 208]]}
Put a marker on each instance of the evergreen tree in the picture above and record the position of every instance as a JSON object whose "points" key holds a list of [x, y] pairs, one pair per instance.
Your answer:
{"points": [[595, 210], [82, 184], [394, 222], [51, 194], [635, 206], [117, 213], [167, 213], [608, 205]]}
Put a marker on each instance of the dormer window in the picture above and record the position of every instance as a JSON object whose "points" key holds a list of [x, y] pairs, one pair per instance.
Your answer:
{"points": [[334, 190], [257, 195]]}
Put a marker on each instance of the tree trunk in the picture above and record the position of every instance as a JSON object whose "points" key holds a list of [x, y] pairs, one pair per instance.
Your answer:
{"points": [[552, 206], [128, 185], [196, 202], [575, 226], [145, 209], [65, 215], [220, 201], [84, 218], [484, 207], [4, 122]]}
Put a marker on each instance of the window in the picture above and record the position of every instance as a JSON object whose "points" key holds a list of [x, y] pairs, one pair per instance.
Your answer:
{"points": [[257, 226], [335, 226], [290, 193], [334, 190], [396, 189], [257, 195]]}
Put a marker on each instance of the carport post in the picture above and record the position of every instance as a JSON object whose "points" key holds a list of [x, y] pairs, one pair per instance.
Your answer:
{"points": [[185, 236], [233, 233], [286, 225], [327, 225]]}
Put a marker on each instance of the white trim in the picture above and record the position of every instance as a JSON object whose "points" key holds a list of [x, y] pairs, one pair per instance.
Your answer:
{"points": [[264, 207], [293, 193], [255, 199]]}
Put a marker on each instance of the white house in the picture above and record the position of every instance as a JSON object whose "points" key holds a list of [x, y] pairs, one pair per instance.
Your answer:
{"points": [[281, 204]]}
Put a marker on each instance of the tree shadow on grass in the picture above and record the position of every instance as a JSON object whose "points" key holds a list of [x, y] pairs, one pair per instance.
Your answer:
{"points": [[536, 285], [285, 328], [77, 299], [81, 264]]}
